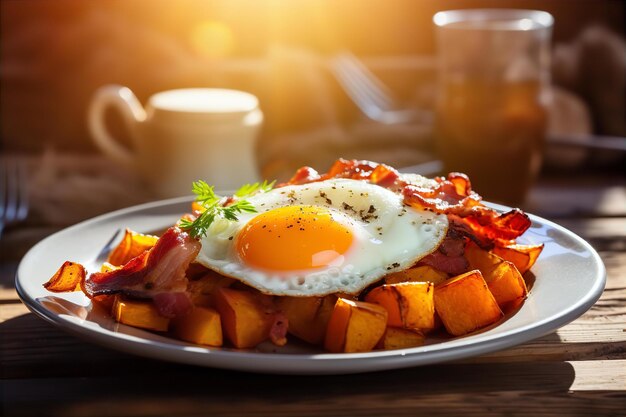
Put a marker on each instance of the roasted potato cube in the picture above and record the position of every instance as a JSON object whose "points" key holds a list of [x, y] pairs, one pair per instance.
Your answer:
{"points": [[396, 338], [423, 273], [201, 325], [522, 256], [246, 317], [308, 316], [355, 326], [141, 314], [409, 305], [465, 304], [133, 244]]}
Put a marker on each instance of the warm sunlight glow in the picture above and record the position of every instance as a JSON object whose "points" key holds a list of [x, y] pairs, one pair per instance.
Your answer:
{"points": [[212, 39]]}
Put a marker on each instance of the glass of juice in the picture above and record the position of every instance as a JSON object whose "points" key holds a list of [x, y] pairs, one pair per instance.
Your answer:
{"points": [[493, 92]]}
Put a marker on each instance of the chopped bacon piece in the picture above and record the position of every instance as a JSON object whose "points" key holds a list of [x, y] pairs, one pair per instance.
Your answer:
{"points": [[384, 175], [459, 227], [499, 227], [304, 175], [172, 304], [161, 269], [453, 265], [278, 331], [453, 195], [380, 174], [453, 244], [449, 255]]}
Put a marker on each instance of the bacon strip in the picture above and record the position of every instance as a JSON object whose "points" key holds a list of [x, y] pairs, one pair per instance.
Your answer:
{"points": [[452, 196], [159, 270], [379, 174]]}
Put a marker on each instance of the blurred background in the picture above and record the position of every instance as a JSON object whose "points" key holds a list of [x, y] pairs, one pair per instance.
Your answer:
{"points": [[55, 54]]}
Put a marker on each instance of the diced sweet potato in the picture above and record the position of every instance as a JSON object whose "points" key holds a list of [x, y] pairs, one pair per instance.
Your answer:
{"points": [[409, 305], [308, 316], [67, 278], [465, 304], [481, 259], [201, 325], [522, 256], [203, 290], [105, 301], [355, 326], [246, 317], [132, 244], [396, 338], [423, 273], [506, 283], [141, 314], [502, 277]]}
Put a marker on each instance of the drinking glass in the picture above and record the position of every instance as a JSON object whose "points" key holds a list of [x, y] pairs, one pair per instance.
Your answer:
{"points": [[493, 92]]}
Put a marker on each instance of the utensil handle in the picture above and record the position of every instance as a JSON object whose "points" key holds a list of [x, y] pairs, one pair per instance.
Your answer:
{"points": [[123, 100], [611, 143]]}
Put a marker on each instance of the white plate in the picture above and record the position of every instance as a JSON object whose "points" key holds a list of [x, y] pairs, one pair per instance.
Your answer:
{"points": [[569, 278]]}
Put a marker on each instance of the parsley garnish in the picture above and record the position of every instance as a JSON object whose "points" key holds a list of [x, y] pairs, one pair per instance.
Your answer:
{"points": [[211, 202]]}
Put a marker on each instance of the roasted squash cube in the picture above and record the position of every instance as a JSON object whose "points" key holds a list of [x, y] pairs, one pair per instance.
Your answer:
{"points": [[486, 262], [308, 316], [396, 338], [409, 305], [132, 245], [506, 283], [203, 290], [522, 256], [423, 273], [246, 317], [139, 313], [69, 277], [201, 325], [355, 326], [465, 304], [503, 279]]}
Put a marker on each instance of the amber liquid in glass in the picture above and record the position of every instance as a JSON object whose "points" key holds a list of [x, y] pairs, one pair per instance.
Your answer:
{"points": [[494, 132]]}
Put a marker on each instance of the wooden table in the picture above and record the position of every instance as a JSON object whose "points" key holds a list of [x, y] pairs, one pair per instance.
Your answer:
{"points": [[578, 370]]}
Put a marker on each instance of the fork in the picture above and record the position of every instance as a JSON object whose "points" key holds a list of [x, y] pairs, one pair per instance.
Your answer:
{"points": [[13, 192], [374, 99]]}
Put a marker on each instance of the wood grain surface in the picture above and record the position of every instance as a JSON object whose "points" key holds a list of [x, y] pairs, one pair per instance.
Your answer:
{"points": [[578, 370]]}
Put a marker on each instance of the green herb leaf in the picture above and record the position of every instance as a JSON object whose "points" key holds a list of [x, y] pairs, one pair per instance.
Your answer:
{"points": [[249, 189], [205, 195]]}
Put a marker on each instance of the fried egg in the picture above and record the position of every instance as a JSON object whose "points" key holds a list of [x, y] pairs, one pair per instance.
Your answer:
{"points": [[338, 235]]}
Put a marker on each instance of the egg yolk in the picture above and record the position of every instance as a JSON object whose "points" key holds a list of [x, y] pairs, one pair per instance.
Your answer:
{"points": [[293, 238]]}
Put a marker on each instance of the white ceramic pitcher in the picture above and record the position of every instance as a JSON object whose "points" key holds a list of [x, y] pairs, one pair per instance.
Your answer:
{"points": [[182, 136]]}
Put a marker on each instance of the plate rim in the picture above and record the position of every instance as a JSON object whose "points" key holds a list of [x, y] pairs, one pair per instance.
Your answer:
{"points": [[317, 363]]}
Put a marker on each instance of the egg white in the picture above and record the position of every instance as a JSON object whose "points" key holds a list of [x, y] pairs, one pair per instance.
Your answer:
{"points": [[388, 236]]}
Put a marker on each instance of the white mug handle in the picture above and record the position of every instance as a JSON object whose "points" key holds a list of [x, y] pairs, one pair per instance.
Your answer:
{"points": [[123, 99]]}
